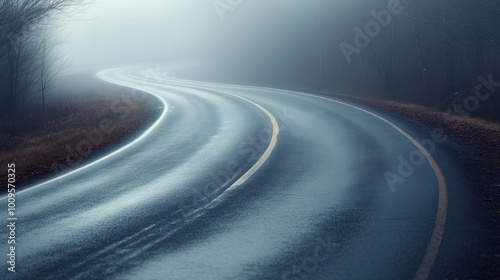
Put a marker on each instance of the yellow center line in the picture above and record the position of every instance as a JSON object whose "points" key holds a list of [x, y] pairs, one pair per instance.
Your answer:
{"points": [[265, 156], [432, 250]]}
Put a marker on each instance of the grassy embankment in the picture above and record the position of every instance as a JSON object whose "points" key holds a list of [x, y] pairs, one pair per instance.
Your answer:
{"points": [[477, 142], [480, 138], [87, 117]]}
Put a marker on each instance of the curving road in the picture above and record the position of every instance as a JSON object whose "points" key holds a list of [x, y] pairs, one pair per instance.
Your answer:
{"points": [[236, 182]]}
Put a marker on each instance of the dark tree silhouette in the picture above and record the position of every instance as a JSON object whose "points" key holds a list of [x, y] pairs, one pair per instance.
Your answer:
{"points": [[26, 68]]}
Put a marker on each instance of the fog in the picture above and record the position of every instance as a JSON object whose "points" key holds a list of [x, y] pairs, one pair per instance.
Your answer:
{"points": [[114, 32], [117, 32], [426, 52]]}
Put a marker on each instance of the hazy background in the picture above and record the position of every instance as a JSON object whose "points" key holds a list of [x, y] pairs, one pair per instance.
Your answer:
{"points": [[117, 32], [120, 32], [431, 53]]}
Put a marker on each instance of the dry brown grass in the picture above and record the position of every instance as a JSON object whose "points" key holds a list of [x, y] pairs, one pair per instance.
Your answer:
{"points": [[38, 147], [482, 136], [477, 146]]}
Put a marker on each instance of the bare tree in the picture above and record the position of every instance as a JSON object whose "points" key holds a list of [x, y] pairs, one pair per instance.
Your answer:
{"points": [[51, 64], [22, 71], [25, 51]]}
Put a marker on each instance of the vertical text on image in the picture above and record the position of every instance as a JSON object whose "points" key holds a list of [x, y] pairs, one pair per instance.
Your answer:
{"points": [[11, 218]]}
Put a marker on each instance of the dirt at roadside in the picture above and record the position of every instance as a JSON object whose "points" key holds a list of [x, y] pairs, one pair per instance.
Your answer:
{"points": [[106, 117]]}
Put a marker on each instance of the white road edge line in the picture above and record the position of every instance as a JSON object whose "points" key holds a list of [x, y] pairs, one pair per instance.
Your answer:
{"points": [[432, 250], [437, 235], [101, 75]]}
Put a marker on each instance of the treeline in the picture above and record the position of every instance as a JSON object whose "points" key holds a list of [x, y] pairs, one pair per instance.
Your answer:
{"points": [[28, 62], [432, 52], [442, 53], [436, 52]]}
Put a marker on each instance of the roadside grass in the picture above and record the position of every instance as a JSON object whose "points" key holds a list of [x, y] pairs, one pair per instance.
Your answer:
{"points": [[476, 144], [480, 138], [45, 148]]}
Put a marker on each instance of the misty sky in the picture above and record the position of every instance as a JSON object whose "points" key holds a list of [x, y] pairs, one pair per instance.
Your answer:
{"points": [[116, 32], [126, 32]]}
